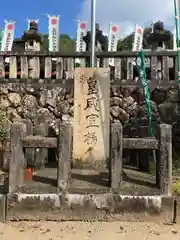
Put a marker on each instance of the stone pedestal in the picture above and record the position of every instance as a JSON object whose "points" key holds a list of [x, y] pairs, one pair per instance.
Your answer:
{"points": [[91, 116]]}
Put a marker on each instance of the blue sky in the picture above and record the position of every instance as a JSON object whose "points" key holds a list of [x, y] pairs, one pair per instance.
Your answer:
{"points": [[20, 10], [125, 13]]}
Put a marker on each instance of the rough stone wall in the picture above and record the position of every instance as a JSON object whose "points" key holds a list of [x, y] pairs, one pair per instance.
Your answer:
{"points": [[127, 105], [130, 103], [36, 103]]}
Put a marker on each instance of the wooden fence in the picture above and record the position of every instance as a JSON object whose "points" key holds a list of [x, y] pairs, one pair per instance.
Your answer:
{"points": [[161, 65], [63, 145], [19, 140]]}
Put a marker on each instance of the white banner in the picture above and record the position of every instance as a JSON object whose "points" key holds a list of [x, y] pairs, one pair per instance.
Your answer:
{"points": [[53, 33], [8, 37], [138, 40], [113, 40], [81, 32]]}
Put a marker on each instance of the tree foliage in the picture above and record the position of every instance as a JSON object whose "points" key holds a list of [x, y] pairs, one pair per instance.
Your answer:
{"points": [[65, 42], [68, 44], [126, 43]]}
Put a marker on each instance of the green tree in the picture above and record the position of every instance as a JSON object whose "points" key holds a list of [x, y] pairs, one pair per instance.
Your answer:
{"points": [[126, 43], [65, 42], [68, 44]]}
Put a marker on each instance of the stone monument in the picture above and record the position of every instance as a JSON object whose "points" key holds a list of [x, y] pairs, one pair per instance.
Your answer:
{"points": [[33, 41], [101, 40], [158, 39], [91, 116], [101, 43]]}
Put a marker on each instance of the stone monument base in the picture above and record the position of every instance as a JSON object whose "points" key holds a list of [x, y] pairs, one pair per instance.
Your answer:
{"points": [[76, 163]]}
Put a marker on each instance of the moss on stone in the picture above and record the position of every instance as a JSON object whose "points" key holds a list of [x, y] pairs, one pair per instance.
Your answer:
{"points": [[176, 187]]}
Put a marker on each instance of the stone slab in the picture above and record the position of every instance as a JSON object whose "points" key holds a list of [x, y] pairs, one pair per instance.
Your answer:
{"points": [[91, 115]]}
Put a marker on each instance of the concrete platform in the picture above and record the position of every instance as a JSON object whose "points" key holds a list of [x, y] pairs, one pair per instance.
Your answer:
{"points": [[88, 181], [89, 198]]}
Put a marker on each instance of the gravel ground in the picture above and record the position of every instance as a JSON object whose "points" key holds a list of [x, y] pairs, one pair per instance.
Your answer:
{"points": [[85, 231]]}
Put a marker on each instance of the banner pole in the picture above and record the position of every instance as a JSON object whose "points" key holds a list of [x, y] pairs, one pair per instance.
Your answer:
{"points": [[142, 72], [176, 13], [138, 46]]}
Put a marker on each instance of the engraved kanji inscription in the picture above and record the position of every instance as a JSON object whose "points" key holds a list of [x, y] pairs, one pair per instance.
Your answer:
{"points": [[92, 88], [90, 138], [92, 103], [92, 120]]}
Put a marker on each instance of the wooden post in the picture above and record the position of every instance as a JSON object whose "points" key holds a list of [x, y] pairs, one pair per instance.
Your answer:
{"points": [[24, 67], [117, 68], [164, 180], [175, 66], [165, 65], [34, 68], [40, 153], [2, 67], [16, 165], [64, 156], [106, 62], [153, 68], [29, 152], [130, 69], [48, 68], [70, 68], [13, 67], [59, 68], [116, 148]]}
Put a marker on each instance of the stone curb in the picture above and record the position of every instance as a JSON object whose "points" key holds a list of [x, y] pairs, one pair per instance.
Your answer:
{"points": [[89, 207]]}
